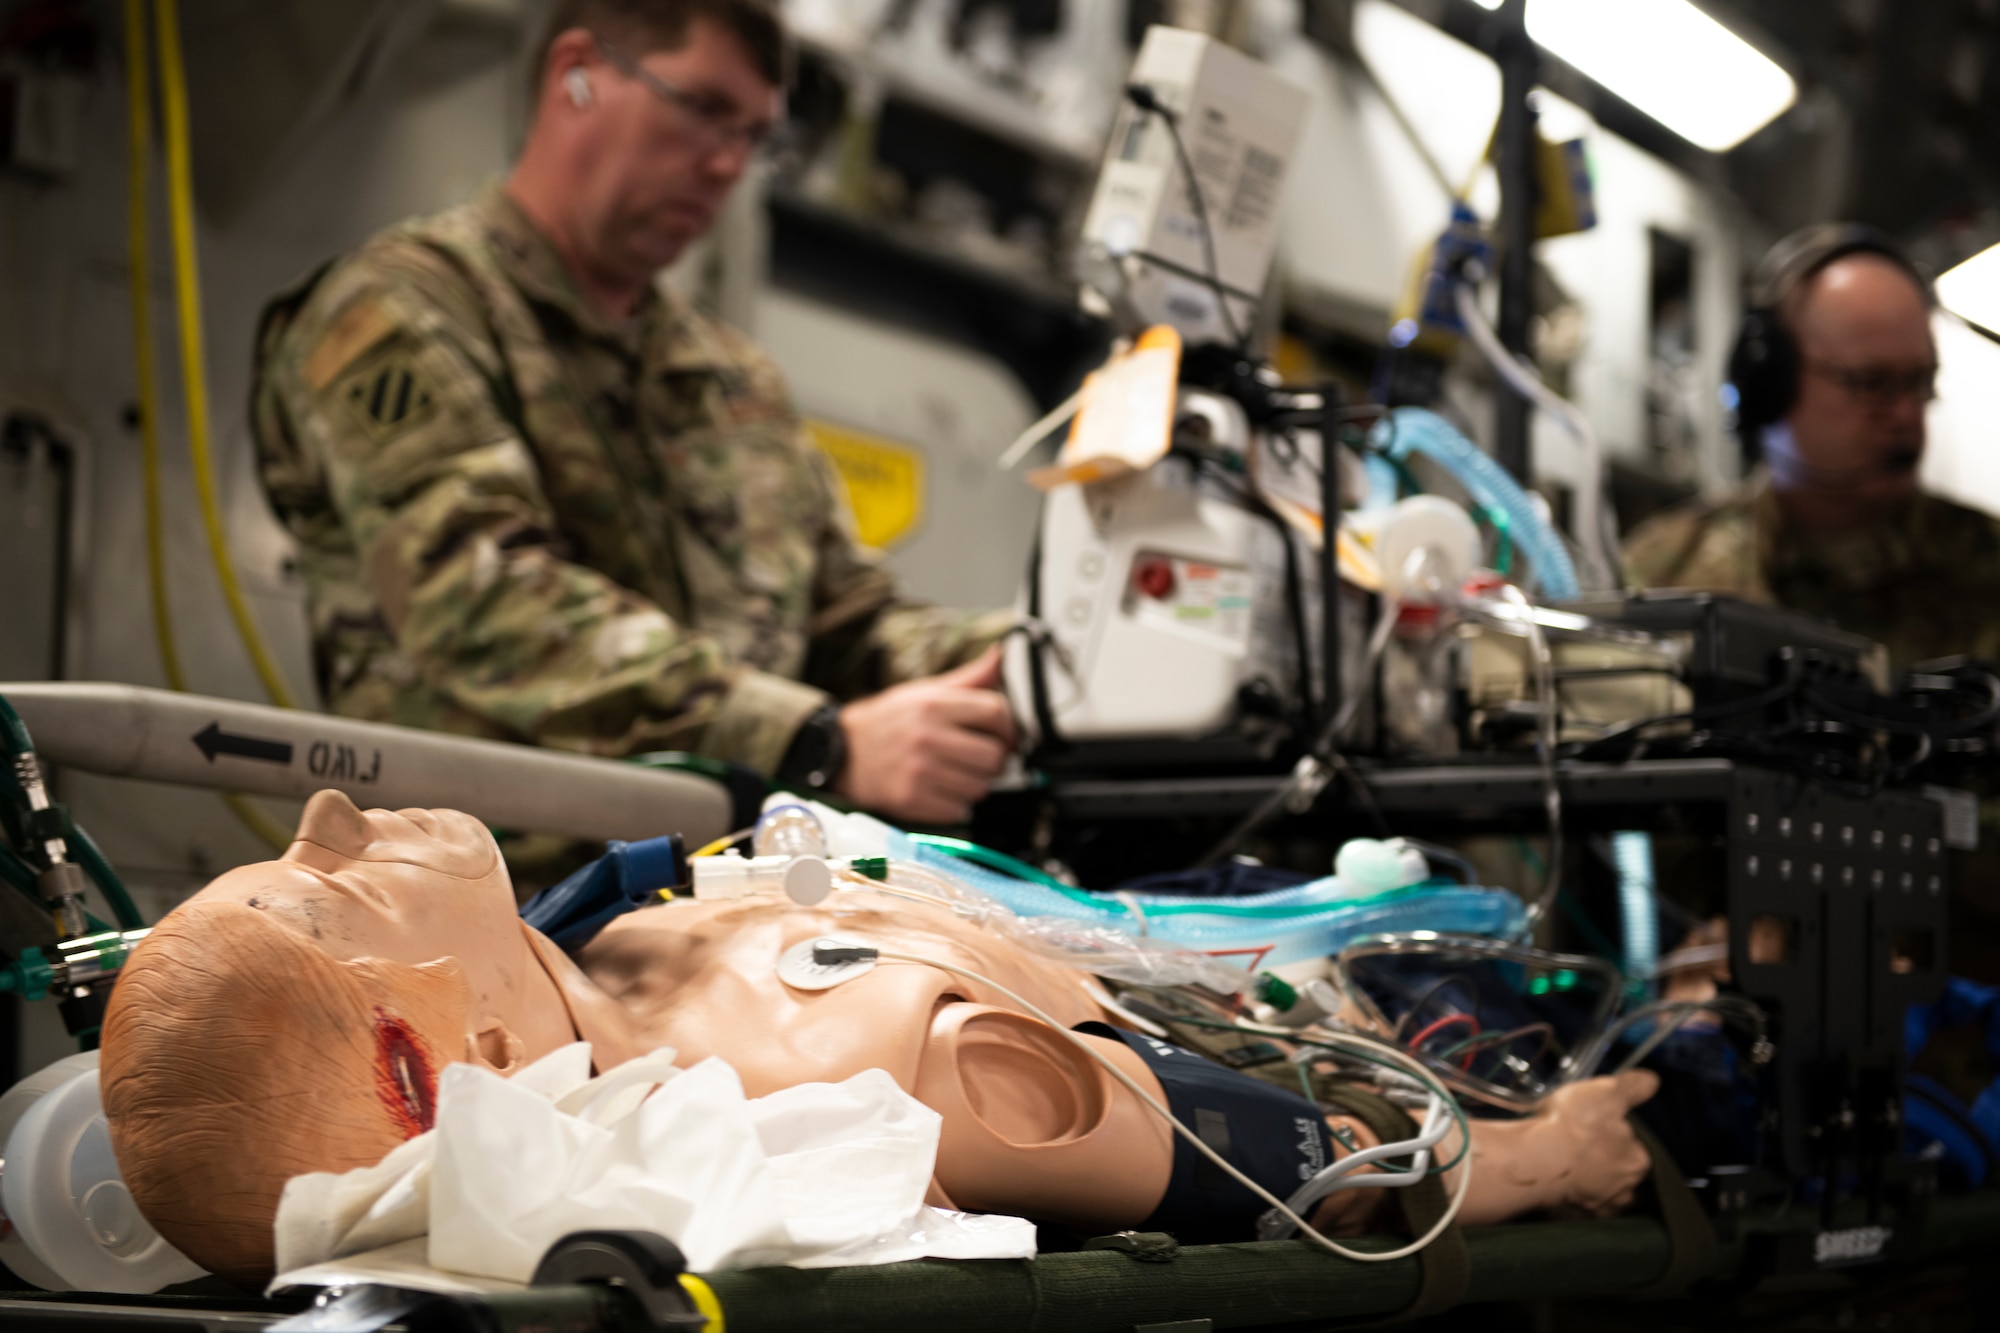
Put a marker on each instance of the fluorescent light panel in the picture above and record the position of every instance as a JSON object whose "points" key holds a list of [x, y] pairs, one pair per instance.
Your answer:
{"points": [[1670, 60], [1972, 290]]}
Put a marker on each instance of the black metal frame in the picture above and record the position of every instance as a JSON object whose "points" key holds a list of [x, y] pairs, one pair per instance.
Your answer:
{"points": [[1858, 886]]}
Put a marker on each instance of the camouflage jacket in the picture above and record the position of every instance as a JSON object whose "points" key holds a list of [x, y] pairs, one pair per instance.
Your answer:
{"points": [[1925, 585], [523, 520]]}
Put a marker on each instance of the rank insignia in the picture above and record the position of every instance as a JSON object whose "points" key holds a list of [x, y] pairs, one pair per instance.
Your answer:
{"points": [[388, 397]]}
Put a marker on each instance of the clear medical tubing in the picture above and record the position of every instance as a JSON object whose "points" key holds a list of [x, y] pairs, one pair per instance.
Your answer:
{"points": [[1309, 921], [789, 830], [1410, 430]]}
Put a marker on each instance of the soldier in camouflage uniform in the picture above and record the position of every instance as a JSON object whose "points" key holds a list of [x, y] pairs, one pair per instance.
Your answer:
{"points": [[540, 498], [1925, 581], [1834, 524]]}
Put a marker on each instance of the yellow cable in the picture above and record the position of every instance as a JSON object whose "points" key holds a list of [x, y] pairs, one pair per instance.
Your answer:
{"points": [[138, 217], [180, 197], [139, 95], [705, 1302], [722, 844], [273, 833]]}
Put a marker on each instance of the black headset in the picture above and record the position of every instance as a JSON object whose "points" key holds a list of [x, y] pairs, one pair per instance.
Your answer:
{"points": [[1764, 364]]}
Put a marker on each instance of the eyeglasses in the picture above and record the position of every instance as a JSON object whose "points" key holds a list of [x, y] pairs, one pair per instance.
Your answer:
{"points": [[1876, 387], [711, 119]]}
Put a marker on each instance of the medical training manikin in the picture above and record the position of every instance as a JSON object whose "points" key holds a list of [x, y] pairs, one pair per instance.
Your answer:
{"points": [[294, 1015]]}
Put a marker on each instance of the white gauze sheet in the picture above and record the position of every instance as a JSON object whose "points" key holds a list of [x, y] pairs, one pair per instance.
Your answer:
{"points": [[817, 1175]]}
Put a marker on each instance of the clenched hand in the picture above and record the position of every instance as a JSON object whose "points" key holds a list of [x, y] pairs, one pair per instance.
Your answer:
{"points": [[924, 751]]}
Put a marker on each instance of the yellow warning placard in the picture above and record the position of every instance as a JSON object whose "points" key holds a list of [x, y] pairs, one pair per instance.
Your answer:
{"points": [[885, 481]]}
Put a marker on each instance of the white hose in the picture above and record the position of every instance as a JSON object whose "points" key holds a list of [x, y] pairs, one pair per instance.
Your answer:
{"points": [[1599, 561]]}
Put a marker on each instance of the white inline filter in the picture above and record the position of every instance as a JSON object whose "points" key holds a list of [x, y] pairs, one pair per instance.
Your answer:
{"points": [[75, 1226]]}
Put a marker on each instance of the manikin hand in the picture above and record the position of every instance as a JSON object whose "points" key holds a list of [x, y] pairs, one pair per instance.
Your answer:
{"points": [[924, 751], [1577, 1153]]}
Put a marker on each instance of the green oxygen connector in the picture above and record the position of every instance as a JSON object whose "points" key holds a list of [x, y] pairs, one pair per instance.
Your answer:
{"points": [[871, 867], [1276, 991], [82, 962], [30, 976]]}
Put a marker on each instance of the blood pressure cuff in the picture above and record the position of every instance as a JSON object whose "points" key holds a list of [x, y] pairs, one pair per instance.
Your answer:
{"points": [[627, 877], [1275, 1137]]}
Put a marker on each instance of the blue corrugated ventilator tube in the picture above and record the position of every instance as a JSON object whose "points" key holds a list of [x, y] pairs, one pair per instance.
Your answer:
{"points": [[1310, 921], [1412, 430]]}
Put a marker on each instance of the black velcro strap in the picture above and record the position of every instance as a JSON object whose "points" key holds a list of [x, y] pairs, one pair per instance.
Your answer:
{"points": [[1445, 1263], [1690, 1236]]}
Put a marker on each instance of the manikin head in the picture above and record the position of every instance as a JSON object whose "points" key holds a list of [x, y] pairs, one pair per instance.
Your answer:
{"points": [[343, 978], [646, 115], [1865, 368]]}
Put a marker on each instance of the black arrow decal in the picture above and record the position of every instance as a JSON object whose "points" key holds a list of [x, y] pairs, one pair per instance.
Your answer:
{"points": [[212, 740]]}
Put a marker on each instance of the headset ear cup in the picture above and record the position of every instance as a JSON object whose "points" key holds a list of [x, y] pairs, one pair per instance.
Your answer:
{"points": [[1764, 367]]}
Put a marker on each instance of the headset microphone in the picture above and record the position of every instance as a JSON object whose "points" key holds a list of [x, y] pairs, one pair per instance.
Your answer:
{"points": [[1783, 452]]}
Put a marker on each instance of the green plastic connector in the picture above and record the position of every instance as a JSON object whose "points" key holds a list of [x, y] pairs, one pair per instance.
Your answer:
{"points": [[1276, 991], [873, 867], [28, 976]]}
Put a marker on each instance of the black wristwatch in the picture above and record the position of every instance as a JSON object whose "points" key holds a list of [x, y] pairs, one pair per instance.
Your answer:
{"points": [[817, 754]]}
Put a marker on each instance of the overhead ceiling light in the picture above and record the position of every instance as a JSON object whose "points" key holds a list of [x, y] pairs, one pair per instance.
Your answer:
{"points": [[1670, 60], [1972, 290]]}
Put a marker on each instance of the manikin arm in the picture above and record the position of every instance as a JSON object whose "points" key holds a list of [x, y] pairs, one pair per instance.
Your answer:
{"points": [[1577, 1153], [1033, 1127]]}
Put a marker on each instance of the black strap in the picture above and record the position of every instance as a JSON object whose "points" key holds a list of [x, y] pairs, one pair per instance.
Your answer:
{"points": [[1690, 1236], [1445, 1263]]}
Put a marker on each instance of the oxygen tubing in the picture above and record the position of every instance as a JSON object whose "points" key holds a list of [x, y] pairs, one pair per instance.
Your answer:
{"points": [[138, 95], [139, 120], [1410, 430], [187, 285], [1299, 901]]}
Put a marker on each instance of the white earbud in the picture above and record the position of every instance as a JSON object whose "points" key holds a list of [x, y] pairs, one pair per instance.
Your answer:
{"points": [[578, 84]]}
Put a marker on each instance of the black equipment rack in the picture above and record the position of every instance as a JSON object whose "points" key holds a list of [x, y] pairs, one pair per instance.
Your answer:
{"points": [[1855, 884]]}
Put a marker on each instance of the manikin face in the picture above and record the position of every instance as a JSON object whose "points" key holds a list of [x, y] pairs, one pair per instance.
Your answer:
{"points": [[1867, 362], [656, 169], [294, 1017], [412, 886]]}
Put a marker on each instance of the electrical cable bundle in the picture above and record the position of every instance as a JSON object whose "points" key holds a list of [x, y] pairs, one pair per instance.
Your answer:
{"points": [[1831, 726]]}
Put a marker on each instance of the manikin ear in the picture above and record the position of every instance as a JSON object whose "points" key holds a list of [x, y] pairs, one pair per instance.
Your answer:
{"points": [[490, 1044], [438, 999]]}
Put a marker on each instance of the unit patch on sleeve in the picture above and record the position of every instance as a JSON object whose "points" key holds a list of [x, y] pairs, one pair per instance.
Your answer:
{"points": [[388, 396]]}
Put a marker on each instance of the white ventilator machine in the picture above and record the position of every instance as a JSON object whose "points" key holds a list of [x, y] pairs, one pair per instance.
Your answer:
{"points": [[1173, 610], [1170, 600]]}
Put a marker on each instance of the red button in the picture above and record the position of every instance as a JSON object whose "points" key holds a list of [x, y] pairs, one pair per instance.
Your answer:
{"points": [[1154, 578]]}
